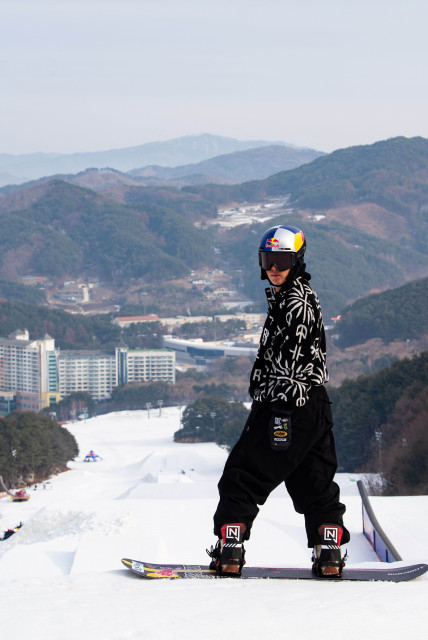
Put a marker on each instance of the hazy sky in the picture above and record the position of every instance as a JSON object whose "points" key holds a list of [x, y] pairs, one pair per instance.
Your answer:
{"points": [[101, 74]]}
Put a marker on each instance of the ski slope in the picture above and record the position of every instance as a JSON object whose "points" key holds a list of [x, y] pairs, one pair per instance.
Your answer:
{"points": [[152, 499]]}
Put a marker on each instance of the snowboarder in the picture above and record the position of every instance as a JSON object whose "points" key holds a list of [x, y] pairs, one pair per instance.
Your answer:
{"points": [[288, 434]]}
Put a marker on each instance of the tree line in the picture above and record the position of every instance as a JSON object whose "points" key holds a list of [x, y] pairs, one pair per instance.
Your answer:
{"points": [[380, 424], [396, 314], [212, 419], [32, 443], [75, 331]]}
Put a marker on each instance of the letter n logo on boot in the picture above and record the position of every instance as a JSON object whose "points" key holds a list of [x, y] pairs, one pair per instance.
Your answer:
{"points": [[233, 531], [331, 534]]}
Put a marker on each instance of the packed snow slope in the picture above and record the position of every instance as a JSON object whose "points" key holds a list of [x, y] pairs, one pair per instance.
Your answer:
{"points": [[152, 499]]}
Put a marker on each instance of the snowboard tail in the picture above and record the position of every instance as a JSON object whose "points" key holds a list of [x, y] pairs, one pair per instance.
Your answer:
{"points": [[152, 571]]}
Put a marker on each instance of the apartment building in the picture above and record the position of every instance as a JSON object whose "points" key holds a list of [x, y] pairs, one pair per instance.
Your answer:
{"points": [[28, 370], [156, 364], [34, 374], [99, 372], [90, 371]]}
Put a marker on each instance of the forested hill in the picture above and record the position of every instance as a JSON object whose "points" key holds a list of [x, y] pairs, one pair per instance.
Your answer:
{"points": [[375, 237], [22, 452], [396, 314], [57, 229], [380, 424], [379, 189], [391, 173]]}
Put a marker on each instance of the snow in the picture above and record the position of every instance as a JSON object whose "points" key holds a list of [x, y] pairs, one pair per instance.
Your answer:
{"points": [[152, 499]]}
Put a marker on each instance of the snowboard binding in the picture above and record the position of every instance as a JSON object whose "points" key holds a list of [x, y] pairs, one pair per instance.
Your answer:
{"points": [[327, 559], [228, 555]]}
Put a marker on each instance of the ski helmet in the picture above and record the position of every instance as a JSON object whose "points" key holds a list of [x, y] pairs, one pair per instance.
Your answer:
{"points": [[283, 246]]}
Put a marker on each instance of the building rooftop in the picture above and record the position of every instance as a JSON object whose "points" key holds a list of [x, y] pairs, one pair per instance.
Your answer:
{"points": [[149, 318], [16, 342], [84, 353]]}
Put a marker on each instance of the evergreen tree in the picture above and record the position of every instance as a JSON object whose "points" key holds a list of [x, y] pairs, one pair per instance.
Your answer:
{"points": [[212, 419], [35, 444]]}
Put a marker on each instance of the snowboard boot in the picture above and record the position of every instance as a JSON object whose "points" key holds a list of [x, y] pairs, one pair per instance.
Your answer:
{"points": [[228, 554], [327, 558]]}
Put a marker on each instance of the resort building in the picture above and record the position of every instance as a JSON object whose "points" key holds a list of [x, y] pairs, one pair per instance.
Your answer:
{"points": [[28, 369], [34, 374]]}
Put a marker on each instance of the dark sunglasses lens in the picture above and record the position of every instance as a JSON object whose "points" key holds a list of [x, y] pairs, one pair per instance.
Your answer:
{"points": [[282, 261]]}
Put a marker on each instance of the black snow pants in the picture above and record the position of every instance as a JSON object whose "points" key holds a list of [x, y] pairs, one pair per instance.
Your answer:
{"points": [[253, 469]]}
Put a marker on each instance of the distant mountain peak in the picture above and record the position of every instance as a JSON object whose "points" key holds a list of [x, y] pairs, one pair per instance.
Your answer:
{"points": [[188, 149]]}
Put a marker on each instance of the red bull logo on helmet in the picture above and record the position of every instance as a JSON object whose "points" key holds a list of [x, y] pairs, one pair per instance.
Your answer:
{"points": [[272, 243]]}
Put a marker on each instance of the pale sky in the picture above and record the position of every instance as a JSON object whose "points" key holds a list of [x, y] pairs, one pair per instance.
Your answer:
{"points": [[94, 75]]}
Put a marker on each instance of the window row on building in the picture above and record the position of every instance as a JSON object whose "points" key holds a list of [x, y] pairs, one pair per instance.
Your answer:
{"points": [[34, 374]]}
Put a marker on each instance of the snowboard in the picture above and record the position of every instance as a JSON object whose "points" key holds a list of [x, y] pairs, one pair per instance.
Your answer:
{"points": [[193, 571]]}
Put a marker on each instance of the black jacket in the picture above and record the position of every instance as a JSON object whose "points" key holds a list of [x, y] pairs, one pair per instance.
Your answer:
{"points": [[292, 351]]}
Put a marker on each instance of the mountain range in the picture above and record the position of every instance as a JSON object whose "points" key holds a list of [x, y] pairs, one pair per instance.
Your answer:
{"points": [[381, 189], [236, 167], [16, 169], [231, 168], [363, 210]]}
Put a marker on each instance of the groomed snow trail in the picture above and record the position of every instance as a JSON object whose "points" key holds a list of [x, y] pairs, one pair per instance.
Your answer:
{"points": [[152, 499]]}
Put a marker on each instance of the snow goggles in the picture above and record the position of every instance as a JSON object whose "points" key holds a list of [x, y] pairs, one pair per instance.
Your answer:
{"points": [[281, 259]]}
